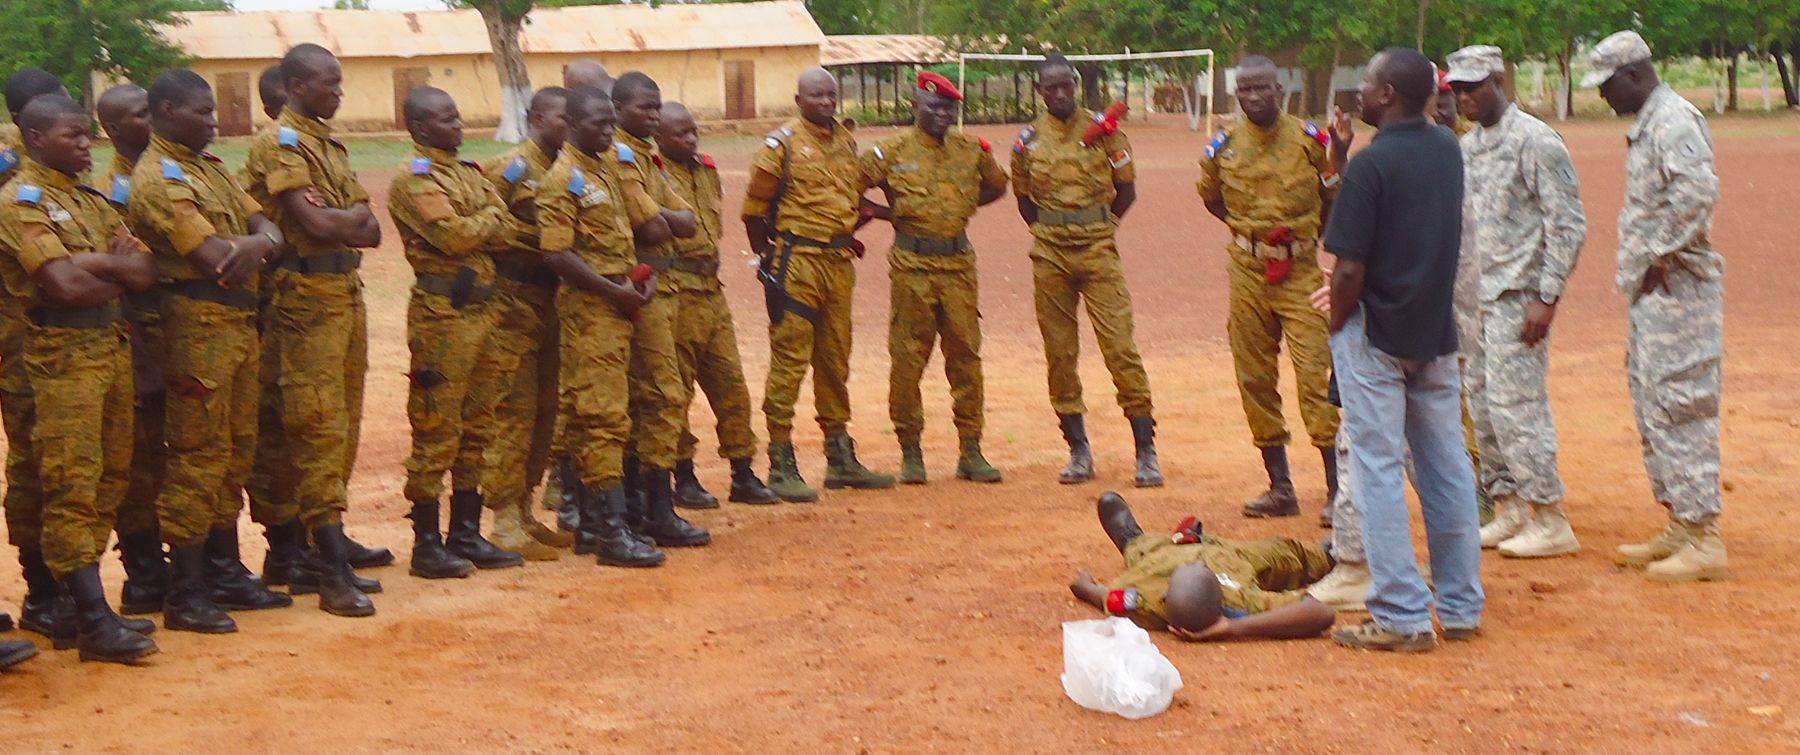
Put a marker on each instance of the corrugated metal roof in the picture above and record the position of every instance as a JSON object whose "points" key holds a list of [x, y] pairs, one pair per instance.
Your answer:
{"points": [[852, 49], [582, 29]]}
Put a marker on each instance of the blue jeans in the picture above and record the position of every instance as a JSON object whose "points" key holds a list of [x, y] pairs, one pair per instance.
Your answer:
{"points": [[1391, 405]]}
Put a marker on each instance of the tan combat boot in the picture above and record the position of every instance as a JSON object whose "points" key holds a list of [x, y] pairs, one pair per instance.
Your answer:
{"points": [[1548, 534], [1655, 549], [1700, 559], [1344, 589], [540, 532], [509, 535], [1510, 516]]}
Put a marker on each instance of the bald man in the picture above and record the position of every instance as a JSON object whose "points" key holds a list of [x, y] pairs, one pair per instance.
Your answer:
{"points": [[587, 72]]}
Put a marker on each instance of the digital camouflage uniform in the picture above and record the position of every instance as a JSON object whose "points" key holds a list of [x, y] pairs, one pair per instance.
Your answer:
{"points": [[1074, 255], [705, 336], [1523, 228], [1254, 575], [585, 206], [1278, 177], [319, 323], [1676, 343], [209, 348], [524, 341], [659, 396], [818, 213], [934, 189], [270, 486], [149, 451], [24, 498], [78, 364]]}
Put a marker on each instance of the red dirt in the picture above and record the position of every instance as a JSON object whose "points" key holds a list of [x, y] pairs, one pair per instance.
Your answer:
{"points": [[928, 617]]}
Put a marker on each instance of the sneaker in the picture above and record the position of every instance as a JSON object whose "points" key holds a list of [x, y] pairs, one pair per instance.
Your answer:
{"points": [[1510, 516], [1344, 589], [1371, 636], [1454, 634], [1548, 534]]}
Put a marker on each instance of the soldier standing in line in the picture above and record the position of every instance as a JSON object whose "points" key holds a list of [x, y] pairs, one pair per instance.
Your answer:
{"points": [[1073, 190], [301, 175], [800, 209], [450, 219], [524, 339], [934, 182], [1675, 281], [1523, 228], [21, 87], [66, 254], [705, 337], [211, 242], [1271, 180]]}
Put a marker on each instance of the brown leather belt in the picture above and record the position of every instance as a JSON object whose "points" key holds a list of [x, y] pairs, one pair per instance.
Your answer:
{"points": [[460, 289], [1083, 216], [76, 317], [326, 263], [528, 273]]}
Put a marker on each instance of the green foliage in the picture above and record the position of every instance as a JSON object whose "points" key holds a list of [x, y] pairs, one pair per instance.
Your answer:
{"points": [[75, 39], [350, 5]]}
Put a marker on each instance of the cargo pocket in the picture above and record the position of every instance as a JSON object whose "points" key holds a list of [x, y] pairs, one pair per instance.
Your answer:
{"points": [[197, 417], [1690, 392]]}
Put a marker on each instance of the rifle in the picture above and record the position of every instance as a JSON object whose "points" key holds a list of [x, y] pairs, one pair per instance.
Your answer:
{"points": [[772, 271]]}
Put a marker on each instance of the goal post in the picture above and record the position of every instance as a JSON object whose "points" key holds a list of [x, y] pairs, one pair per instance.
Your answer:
{"points": [[1201, 86]]}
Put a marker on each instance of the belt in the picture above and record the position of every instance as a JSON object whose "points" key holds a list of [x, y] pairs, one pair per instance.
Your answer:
{"points": [[705, 267], [1096, 214], [929, 246], [75, 317], [1265, 251], [459, 288], [205, 290], [322, 264], [141, 304], [841, 241], [528, 273]]}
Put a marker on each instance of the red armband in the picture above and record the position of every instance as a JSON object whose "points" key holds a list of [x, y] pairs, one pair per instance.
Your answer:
{"points": [[1122, 602], [1105, 123], [1187, 532]]}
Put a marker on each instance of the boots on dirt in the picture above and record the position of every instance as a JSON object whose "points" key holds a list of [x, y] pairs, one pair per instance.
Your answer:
{"points": [[1080, 468], [661, 524], [1143, 438], [38, 611], [430, 559], [974, 467], [234, 588], [784, 475], [101, 635], [746, 487], [188, 606], [1115, 517], [146, 572], [843, 470], [689, 493], [338, 594], [912, 463], [614, 544], [465, 534], [1279, 500]]}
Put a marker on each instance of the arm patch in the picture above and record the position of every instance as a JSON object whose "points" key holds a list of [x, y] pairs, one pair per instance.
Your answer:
{"points": [[172, 171], [121, 190], [1319, 135], [514, 170], [287, 137], [420, 166], [625, 154], [1219, 141], [30, 194], [577, 182]]}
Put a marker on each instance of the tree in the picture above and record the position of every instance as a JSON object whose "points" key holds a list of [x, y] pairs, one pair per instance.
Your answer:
{"points": [[76, 39], [350, 5]]}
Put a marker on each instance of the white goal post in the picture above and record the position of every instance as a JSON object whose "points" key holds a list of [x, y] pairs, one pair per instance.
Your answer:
{"points": [[1202, 82]]}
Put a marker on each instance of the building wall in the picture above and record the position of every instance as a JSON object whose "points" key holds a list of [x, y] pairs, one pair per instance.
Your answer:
{"points": [[696, 78]]}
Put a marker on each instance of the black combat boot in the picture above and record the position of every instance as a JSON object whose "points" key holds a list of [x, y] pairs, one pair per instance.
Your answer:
{"points": [[38, 612], [746, 487], [1080, 468], [285, 561], [1279, 499], [689, 493], [337, 590], [146, 572], [465, 534], [614, 544], [1329, 454], [15, 652], [1116, 519], [661, 524], [189, 606], [362, 556], [234, 588], [634, 492], [430, 559], [568, 486], [100, 634], [1143, 436]]}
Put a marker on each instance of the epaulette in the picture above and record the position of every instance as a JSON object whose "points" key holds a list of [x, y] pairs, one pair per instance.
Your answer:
{"points": [[625, 154], [1218, 143], [515, 170], [656, 159], [778, 137], [706, 160], [469, 164], [287, 137], [985, 146], [577, 182], [210, 157], [30, 194], [1318, 135], [1026, 136], [9, 159], [172, 171], [121, 190], [420, 166]]}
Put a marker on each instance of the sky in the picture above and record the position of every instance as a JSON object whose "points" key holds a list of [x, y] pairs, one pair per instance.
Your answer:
{"points": [[314, 4]]}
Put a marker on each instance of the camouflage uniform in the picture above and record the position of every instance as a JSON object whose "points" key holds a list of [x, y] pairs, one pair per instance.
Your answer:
{"points": [[1254, 575], [1278, 177], [319, 323], [270, 486], [149, 451], [181, 198], [817, 215], [524, 341], [1523, 228], [934, 188], [1074, 255], [24, 501], [1676, 341], [659, 396], [705, 336], [77, 360], [585, 206]]}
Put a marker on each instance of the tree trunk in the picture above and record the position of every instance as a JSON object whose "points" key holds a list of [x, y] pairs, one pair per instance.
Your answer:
{"points": [[509, 60], [1090, 85], [1731, 84], [1424, 6], [1788, 94], [1565, 95]]}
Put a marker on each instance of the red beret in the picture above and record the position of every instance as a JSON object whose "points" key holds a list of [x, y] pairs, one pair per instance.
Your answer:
{"points": [[934, 82], [1443, 81]]}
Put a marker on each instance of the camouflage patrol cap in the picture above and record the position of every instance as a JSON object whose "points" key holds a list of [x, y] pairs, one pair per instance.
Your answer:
{"points": [[1613, 53], [1474, 64]]}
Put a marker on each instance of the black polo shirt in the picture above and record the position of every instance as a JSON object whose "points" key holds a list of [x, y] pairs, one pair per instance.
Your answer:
{"points": [[1399, 212]]}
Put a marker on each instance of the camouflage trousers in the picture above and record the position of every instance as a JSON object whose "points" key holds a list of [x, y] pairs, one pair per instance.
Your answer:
{"points": [[211, 359], [1261, 316], [81, 379], [595, 361], [825, 281], [1504, 382], [24, 503], [1675, 349], [1062, 278], [706, 343], [452, 423], [659, 396], [321, 334], [923, 306], [515, 381], [270, 486], [149, 451]]}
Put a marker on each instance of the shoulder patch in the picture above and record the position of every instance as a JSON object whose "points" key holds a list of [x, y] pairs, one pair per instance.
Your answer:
{"points": [[121, 190], [625, 154], [1026, 135], [420, 166], [30, 194], [287, 137], [172, 171], [1219, 141], [577, 182], [515, 170], [9, 159], [1319, 135], [706, 160]]}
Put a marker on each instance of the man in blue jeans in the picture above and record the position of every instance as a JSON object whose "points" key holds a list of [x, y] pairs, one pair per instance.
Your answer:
{"points": [[1396, 231]]}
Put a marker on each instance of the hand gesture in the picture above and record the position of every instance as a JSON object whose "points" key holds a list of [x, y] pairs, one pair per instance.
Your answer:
{"points": [[1343, 128], [243, 261], [1321, 299]]}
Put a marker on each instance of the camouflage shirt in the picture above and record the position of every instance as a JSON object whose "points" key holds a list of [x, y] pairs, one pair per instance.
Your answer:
{"points": [[1254, 575], [825, 183], [115, 183], [935, 188], [585, 206], [640, 163], [1670, 191], [179, 198], [301, 153], [696, 180], [1523, 226], [1052, 168], [516, 174], [46, 216], [448, 215], [1280, 176]]}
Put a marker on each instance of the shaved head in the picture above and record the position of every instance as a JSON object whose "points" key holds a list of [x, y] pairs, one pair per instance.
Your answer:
{"points": [[120, 101], [672, 110], [1194, 598], [304, 60], [1256, 64], [587, 72], [816, 96], [27, 84], [45, 110], [815, 78], [421, 100]]}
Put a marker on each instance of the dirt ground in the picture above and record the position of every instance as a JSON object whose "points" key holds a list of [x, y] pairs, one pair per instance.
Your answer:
{"points": [[927, 618]]}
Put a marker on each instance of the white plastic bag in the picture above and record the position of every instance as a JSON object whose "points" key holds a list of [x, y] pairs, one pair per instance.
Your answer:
{"points": [[1110, 665]]}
